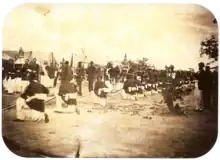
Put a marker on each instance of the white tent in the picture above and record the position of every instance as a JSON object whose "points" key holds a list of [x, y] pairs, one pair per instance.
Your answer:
{"points": [[20, 61], [5, 56]]}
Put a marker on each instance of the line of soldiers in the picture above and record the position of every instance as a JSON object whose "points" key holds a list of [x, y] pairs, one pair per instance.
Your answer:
{"points": [[13, 70]]}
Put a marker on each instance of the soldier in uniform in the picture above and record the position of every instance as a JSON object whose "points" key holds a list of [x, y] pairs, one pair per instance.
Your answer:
{"points": [[24, 70], [80, 72], [91, 76], [35, 68]]}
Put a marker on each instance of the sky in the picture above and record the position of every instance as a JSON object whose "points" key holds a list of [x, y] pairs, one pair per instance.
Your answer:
{"points": [[164, 33]]}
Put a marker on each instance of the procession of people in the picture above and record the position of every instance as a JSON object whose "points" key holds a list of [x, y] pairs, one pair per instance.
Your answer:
{"points": [[130, 80]]}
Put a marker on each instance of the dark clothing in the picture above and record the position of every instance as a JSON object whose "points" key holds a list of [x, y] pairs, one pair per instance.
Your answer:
{"points": [[113, 72], [208, 80], [80, 73], [50, 71], [32, 89], [91, 85], [201, 76], [35, 68], [80, 76], [91, 72], [9, 70], [91, 77], [66, 88], [98, 85], [66, 74], [25, 71], [130, 83]]}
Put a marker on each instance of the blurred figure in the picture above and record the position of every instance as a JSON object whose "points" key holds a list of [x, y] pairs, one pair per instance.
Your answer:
{"points": [[67, 95], [66, 73], [91, 76], [33, 97], [58, 73], [201, 85], [101, 90], [9, 69], [50, 71], [35, 68], [24, 70], [80, 72]]}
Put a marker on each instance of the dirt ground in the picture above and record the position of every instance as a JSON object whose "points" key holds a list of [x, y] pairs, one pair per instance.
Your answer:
{"points": [[142, 128]]}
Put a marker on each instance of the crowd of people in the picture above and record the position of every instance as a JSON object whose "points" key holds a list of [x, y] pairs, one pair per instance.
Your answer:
{"points": [[132, 80]]}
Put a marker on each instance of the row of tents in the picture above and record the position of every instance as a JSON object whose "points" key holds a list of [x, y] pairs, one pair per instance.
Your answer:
{"points": [[20, 56]]}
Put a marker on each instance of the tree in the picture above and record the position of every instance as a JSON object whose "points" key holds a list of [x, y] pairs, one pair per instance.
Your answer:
{"points": [[209, 47]]}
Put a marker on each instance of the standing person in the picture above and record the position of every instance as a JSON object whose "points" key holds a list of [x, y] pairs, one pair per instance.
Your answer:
{"points": [[91, 76], [24, 70], [59, 70], [80, 72], [201, 85], [51, 71], [35, 68], [66, 73], [10, 69]]}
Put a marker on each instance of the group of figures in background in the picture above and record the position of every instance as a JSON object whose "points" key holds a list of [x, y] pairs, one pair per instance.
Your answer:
{"points": [[33, 80]]}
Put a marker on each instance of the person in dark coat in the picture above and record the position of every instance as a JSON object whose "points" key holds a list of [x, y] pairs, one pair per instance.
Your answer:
{"points": [[91, 76], [24, 70], [35, 68], [66, 73], [58, 74], [10, 69], [201, 77], [80, 72], [50, 71], [208, 88], [67, 95], [34, 97], [101, 89]]}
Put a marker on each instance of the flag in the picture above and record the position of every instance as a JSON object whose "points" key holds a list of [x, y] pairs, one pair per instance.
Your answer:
{"points": [[125, 57], [30, 56], [71, 62]]}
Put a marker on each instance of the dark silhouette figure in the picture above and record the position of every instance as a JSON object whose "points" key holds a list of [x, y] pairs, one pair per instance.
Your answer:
{"points": [[80, 72], [91, 76], [35, 68], [201, 77]]}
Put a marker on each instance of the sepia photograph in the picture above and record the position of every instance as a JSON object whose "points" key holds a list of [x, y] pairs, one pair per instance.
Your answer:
{"points": [[111, 80]]}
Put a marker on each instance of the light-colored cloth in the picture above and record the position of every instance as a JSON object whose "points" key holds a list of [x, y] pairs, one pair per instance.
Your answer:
{"points": [[60, 102], [23, 112], [126, 96]]}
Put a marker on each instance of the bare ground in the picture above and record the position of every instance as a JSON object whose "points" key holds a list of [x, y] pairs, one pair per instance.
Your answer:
{"points": [[142, 128]]}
